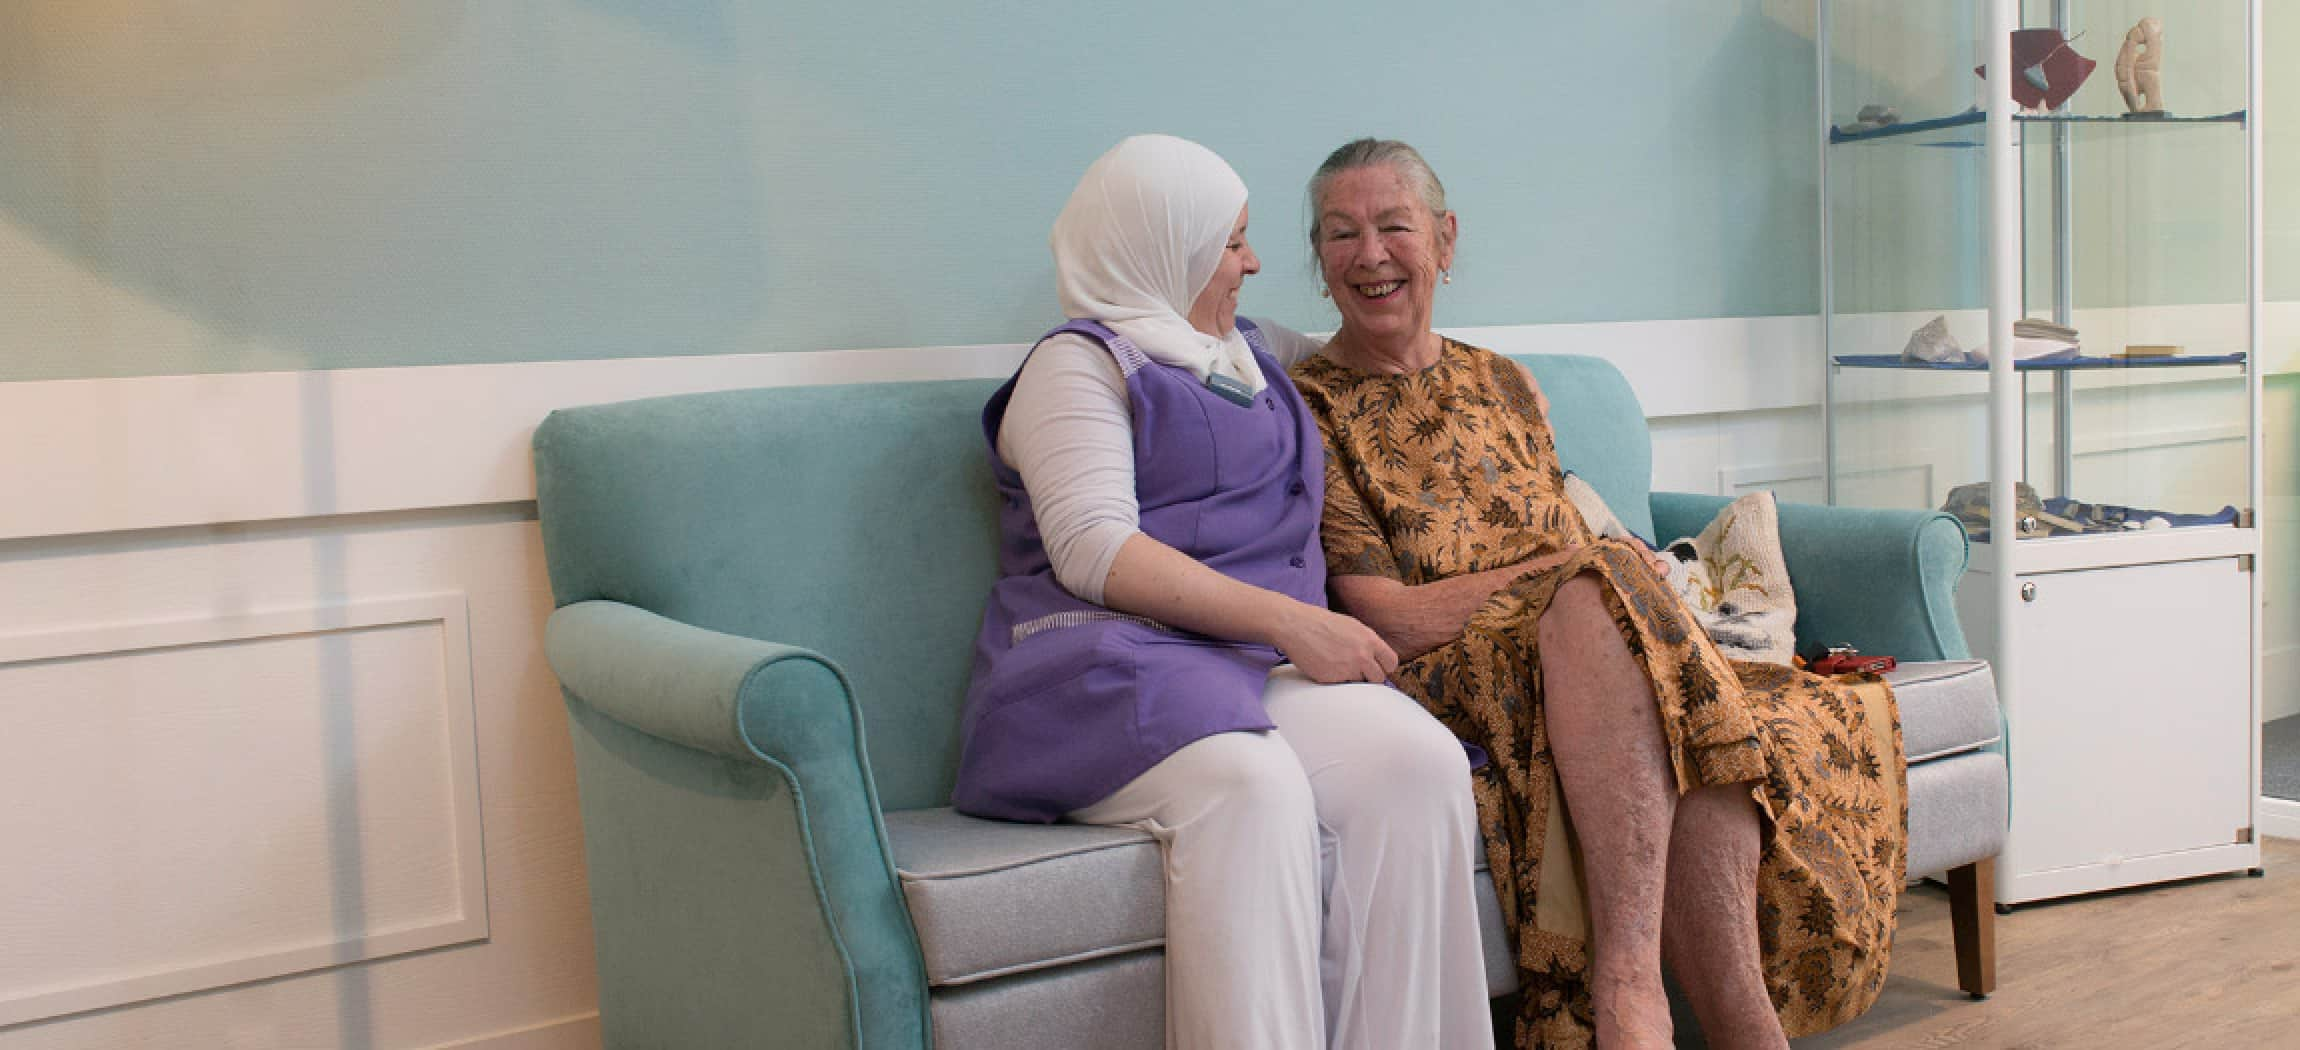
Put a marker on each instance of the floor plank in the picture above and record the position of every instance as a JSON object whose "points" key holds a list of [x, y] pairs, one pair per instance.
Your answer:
{"points": [[2206, 963]]}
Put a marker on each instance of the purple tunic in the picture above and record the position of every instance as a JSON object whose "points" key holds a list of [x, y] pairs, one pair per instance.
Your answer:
{"points": [[1070, 700]]}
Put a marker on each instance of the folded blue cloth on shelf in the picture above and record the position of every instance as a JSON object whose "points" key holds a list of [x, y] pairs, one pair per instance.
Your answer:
{"points": [[2037, 363], [2108, 517], [2099, 518]]}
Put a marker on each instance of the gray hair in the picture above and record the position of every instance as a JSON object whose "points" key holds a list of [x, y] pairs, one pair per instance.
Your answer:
{"points": [[1365, 153]]}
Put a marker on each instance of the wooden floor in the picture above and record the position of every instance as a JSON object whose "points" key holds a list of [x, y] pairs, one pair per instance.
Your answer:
{"points": [[2206, 963]]}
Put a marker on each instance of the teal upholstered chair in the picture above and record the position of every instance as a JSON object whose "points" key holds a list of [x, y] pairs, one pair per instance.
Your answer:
{"points": [[767, 600]]}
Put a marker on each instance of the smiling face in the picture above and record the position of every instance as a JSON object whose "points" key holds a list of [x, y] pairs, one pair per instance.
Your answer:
{"points": [[1215, 311], [1380, 250]]}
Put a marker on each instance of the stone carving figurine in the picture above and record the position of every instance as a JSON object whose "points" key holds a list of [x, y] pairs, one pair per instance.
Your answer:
{"points": [[2139, 69]]}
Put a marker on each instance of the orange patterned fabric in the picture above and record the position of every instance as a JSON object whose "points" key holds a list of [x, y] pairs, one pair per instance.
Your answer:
{"points": [[1454, 470]]}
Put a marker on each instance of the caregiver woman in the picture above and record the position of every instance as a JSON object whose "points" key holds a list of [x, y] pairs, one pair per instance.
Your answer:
{"points": [[1159, 566]]}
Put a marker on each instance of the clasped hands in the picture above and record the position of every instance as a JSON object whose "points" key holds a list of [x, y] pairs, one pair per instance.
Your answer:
{"points": [[1331, 647]]}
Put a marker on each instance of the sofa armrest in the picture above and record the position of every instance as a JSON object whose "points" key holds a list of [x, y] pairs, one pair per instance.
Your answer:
{"points": [[706, 690], [1882, 580], [742, 889]]}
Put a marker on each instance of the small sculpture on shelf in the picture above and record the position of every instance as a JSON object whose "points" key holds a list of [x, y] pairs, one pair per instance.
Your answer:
{"points": [[2034, 339], [2050, 70], [2140, 69], [1872, 116], [1931, 343]]}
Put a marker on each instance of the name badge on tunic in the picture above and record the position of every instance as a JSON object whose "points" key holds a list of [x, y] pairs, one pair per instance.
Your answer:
{"points": [[1232, 390]]}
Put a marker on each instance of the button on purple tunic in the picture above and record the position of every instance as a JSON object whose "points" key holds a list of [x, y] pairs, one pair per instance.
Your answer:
{"points": [[1070, 700]]}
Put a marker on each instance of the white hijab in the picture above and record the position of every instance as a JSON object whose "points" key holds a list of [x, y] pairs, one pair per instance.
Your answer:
{"points": [[1140, 238]]}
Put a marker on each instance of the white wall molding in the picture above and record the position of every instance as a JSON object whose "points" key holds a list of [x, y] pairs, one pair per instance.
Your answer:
{"points": [[2279, 817], [329, 899], [2280, 681], [108, 455], [1735, 480], [1739, 480], [2110, 444], [1705, 366], [2280, 336], [1904, 477], [581, 1030]]}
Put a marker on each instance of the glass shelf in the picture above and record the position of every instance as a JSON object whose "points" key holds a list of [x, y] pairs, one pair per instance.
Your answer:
{"points": [[1974, 117], [2062, 364]]}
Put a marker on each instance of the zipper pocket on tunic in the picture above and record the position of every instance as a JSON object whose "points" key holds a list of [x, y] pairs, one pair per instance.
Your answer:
{"points": [[1079, 617]]}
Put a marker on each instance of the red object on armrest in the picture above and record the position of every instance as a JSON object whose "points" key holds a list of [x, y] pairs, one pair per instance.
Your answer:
{"points": [[1844, 659]]}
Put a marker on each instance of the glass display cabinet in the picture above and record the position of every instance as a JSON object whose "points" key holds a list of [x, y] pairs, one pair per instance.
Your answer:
{"points": [[2042, 292]]}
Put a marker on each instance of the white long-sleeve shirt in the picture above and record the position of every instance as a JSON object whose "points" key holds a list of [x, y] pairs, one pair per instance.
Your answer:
{"points": [[1069, 432]]}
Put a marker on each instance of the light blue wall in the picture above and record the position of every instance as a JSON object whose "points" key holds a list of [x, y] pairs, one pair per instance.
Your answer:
{"points": [[287, 184], [330, 185]]}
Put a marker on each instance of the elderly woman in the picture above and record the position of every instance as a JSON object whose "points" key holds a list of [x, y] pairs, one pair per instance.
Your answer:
{"points": [[1736, 818], [1162, 483]]}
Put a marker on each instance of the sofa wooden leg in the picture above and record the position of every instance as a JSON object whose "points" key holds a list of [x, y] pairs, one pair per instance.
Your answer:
{"points": [[1973, 922]]}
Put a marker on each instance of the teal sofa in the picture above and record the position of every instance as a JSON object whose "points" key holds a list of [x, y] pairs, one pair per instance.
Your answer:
{"points": [[766, 606]]}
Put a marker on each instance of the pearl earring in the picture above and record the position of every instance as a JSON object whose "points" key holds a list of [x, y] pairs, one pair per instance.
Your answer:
{"points": [[1445, 276], [1323, 293]]}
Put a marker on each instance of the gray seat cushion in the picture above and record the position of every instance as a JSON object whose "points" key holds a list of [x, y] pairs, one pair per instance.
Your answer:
{"points": [[1947, 707], [1957, 811], [992, 899], [1117, 1003]]}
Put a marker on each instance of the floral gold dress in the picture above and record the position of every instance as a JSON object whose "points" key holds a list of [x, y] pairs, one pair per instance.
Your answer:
{"points": [[1454, 470]]}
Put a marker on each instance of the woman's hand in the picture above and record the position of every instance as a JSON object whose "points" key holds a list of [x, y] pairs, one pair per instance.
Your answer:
{"points": [[1330, 647], [1151, 579]]}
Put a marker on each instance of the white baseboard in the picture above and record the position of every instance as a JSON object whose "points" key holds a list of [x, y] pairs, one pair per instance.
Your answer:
{"points": [[2279, 818]]}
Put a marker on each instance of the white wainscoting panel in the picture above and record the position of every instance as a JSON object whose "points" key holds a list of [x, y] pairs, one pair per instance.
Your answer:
{"points": [[306, 777], [279, 750], [1685, 451], [2279, 677], [1904, 480], [2280, 818], [580, 1030]]}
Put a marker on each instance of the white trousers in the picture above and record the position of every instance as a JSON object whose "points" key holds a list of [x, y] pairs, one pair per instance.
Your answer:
{"points": [[1318, 878]]}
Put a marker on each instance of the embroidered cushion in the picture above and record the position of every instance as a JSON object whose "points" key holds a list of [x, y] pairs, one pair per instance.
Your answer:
{"points": [[1732, 576], [1736, 582]]}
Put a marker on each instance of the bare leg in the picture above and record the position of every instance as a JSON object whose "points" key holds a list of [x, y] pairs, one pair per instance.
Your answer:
{"points": [[1613, 765], [1709, 918]]}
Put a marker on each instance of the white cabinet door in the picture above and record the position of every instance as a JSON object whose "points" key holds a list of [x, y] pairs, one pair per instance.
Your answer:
{"points": [[2129, 723]]}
